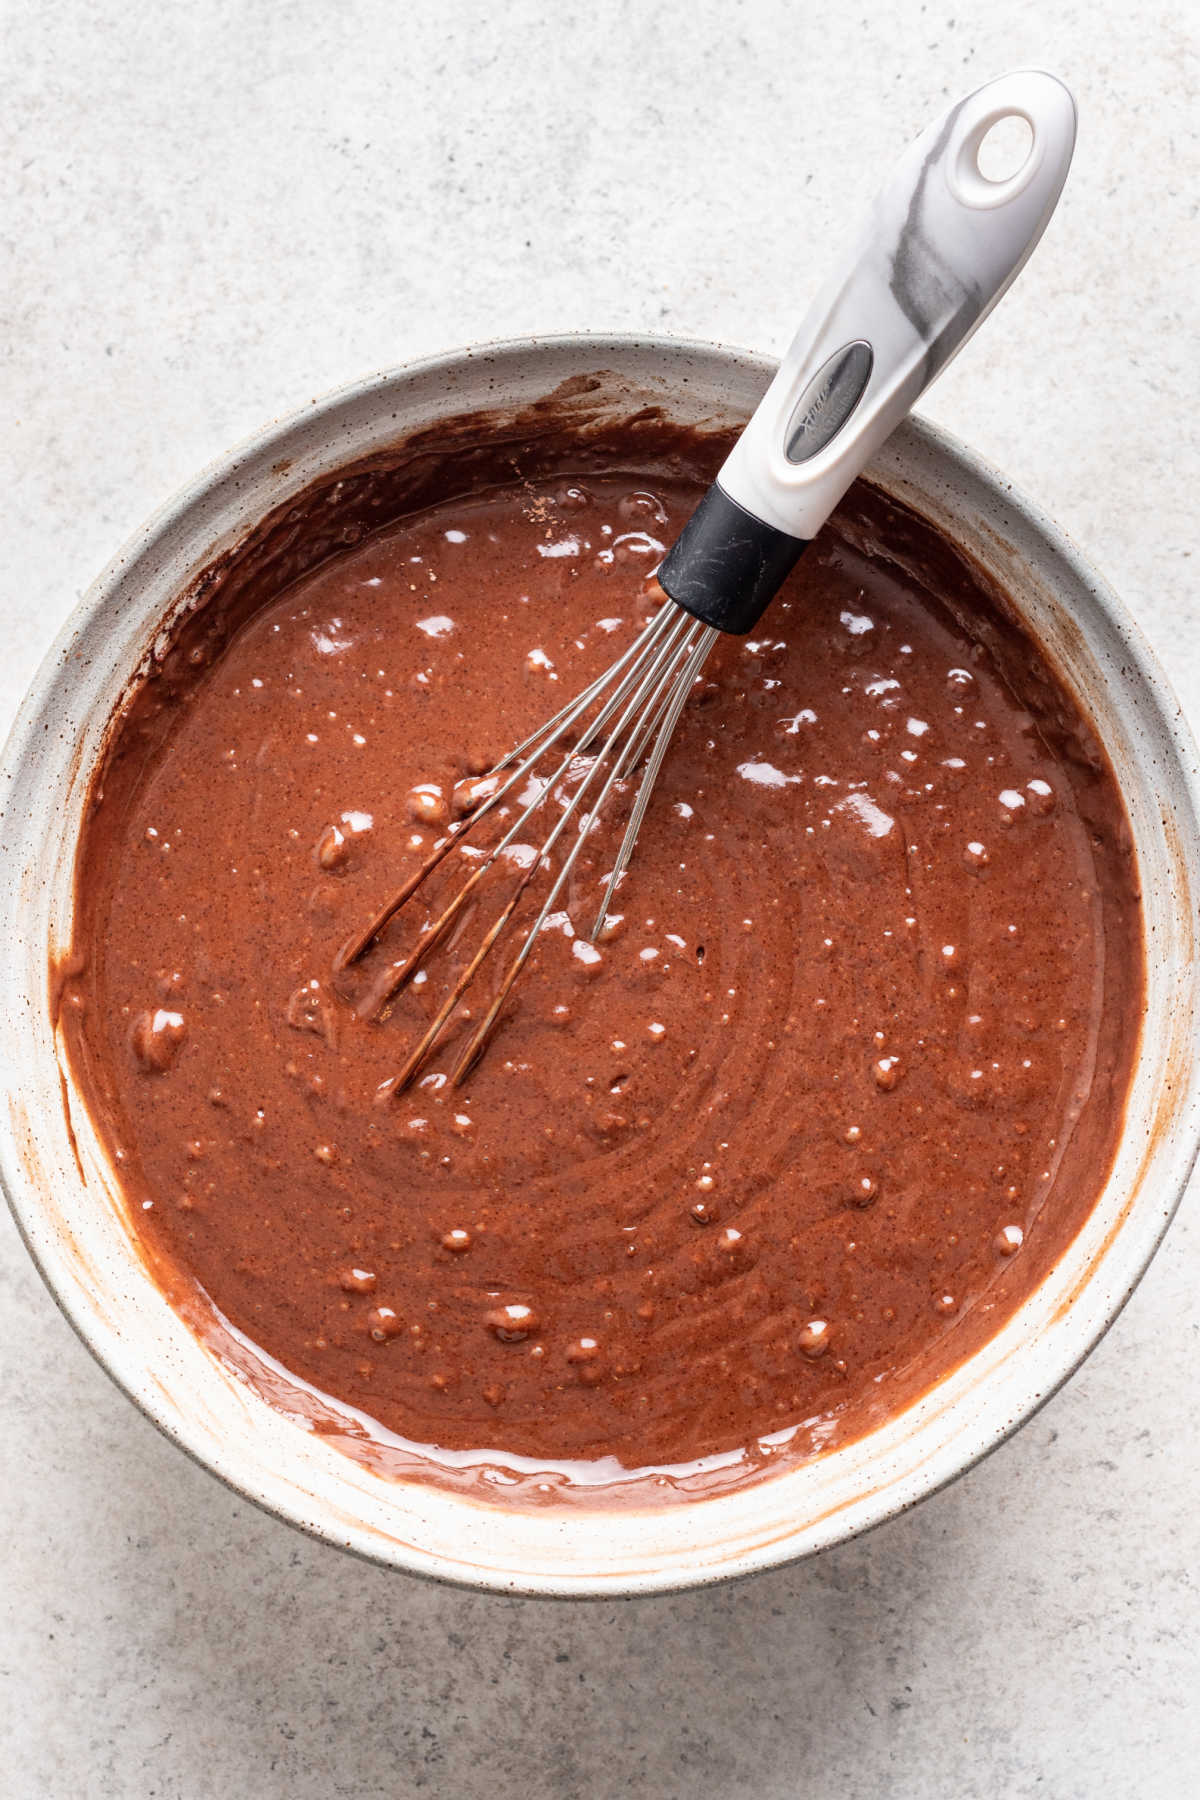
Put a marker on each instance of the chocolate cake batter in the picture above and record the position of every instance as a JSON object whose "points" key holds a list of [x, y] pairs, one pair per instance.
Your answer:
{"points": [[842, 1079]]}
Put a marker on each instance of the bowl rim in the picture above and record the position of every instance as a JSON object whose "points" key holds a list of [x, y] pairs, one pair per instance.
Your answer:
{"points": [[21, 1190]]}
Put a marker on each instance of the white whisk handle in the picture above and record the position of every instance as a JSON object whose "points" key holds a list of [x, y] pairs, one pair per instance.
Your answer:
{"points": [[940, 246]]}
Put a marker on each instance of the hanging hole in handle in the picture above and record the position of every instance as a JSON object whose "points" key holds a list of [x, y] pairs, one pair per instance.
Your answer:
{"points": [[1004, 148], [987, 174]]}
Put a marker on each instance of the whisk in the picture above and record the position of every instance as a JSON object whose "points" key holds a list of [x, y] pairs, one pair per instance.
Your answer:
{"points": [[940, 247]]}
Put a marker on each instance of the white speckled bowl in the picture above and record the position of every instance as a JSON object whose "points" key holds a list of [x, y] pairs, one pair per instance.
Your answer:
{"points": [[70, 1211]]}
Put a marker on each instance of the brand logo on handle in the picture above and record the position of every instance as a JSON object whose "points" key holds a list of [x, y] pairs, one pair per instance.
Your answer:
{"points": [[828, 400]]}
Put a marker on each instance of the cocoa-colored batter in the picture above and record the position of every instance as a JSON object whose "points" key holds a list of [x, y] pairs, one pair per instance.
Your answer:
{"points": [[842, 1081]]}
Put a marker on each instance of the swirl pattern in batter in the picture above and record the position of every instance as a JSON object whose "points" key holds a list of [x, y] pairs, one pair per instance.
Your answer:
{"points": [[842, 1078]]}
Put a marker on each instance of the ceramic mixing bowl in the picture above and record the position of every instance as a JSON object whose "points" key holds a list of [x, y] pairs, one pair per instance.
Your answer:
{"points": [[66, 1199]]}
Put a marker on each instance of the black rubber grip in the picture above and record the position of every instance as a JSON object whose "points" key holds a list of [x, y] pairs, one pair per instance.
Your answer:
{"points": [[726, 566]]}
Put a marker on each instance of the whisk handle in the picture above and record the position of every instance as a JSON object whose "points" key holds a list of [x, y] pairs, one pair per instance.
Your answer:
{"points": [[939, 248]]}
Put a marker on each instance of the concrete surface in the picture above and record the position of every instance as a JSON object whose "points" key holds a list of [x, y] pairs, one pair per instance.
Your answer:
{"points": [[213, 212]]}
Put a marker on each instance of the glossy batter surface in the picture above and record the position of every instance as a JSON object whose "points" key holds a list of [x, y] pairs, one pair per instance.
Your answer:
{"points": [[842, 1080]]}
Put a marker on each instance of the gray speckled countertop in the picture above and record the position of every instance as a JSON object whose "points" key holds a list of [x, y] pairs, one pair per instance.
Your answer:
{"points": [[215, 212]]}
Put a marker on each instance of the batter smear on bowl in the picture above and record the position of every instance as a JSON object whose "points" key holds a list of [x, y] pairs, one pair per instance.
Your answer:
{"points": [[843, 1078]]}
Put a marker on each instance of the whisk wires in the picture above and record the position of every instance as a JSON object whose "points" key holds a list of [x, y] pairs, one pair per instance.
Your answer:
{"points": [[622, 720]]}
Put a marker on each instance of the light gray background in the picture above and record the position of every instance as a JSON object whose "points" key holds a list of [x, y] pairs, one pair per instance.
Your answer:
{"points": [[220, 210]]}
